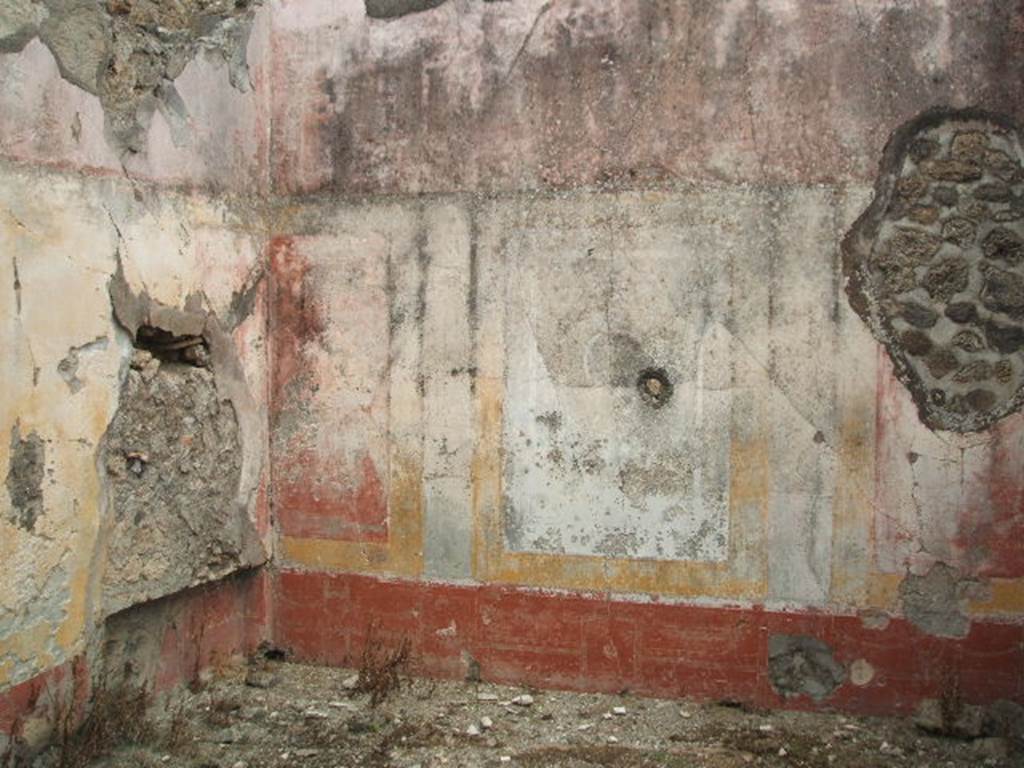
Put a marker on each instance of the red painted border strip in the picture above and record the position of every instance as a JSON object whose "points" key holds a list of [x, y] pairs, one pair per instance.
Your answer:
{"points": [[199, 628], [597, 643]]}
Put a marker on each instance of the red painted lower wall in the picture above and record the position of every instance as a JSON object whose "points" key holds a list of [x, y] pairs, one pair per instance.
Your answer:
{"points": [[596, 643], [197, 629], [584, 642]]}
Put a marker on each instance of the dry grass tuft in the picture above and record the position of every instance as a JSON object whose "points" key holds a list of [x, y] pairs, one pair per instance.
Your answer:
{"points": [[382, 669], [117, 717]]}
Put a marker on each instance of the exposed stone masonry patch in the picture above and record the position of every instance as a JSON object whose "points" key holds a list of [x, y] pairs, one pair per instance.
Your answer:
{"points": [[936, 266], [173, 464]]}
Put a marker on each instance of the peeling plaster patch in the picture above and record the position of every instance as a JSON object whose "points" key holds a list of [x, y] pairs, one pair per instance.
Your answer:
{"points": [[68, 367], [244, 299], [950, 718], [936, 266], [128, 53], [393, 9], [799, 665], [932, 602], [25, 478]]}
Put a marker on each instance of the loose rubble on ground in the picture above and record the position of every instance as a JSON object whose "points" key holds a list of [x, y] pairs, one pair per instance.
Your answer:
{"points": [[278, 714]]}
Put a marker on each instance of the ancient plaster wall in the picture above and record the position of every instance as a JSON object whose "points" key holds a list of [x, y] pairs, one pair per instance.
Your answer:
{"points": [[133, 140], [569, 311], [554, 368], [470, 94], [74, 248], [170, 92]]}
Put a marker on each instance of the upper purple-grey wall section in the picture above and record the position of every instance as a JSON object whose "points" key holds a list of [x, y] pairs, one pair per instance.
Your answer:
{"points": [[527, 94], [498, 96]]}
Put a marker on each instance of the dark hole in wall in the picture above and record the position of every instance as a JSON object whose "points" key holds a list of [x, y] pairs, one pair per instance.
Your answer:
{"points": [[168, 347], [654, 387]]}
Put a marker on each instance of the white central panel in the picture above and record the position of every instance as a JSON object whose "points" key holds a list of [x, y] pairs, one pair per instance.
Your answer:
{"points": [[592, 466]]}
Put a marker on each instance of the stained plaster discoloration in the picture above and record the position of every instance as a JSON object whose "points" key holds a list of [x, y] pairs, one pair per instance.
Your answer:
{"points": [[594, 94], [25, 476]]}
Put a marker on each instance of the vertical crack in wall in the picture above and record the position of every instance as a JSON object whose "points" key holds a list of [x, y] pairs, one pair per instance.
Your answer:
{"points": [[936, 265]]}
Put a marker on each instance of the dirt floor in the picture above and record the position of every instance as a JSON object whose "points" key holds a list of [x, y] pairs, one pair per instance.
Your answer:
{"points": [[283, 714]]}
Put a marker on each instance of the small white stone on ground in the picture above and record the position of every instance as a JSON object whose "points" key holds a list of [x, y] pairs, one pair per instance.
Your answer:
{"points": [[525, 700], [472, 731], [486, 723], [619, 710], [350, 682]]}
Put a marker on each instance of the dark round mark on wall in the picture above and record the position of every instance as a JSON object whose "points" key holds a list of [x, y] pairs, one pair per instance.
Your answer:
{"points": [[654, 387]]}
